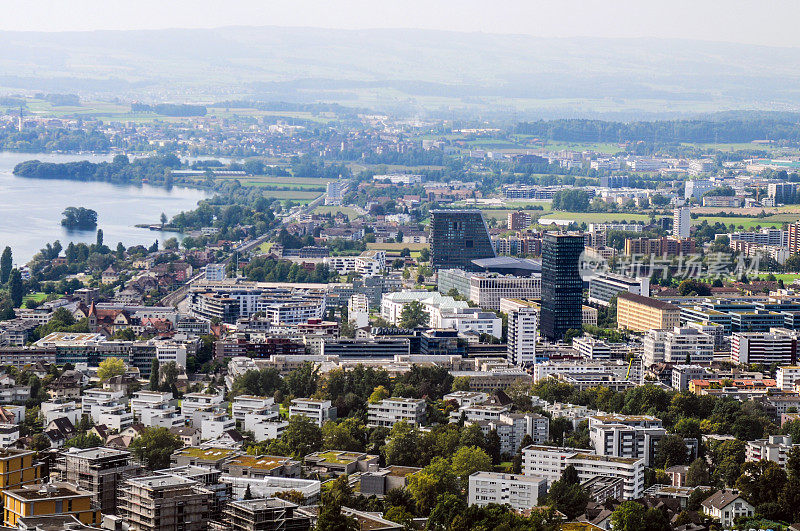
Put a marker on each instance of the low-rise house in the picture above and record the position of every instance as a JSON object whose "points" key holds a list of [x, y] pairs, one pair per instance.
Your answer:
{"points": [[726, 505], [518, 491], [207, 457], [188, 435], [260, 466], [390, 411], [341, 463], [319, 411], [382, 480]]}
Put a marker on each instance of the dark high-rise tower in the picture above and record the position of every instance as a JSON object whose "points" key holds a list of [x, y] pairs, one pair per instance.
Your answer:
{"points": [[457, 238], [562, 286]]}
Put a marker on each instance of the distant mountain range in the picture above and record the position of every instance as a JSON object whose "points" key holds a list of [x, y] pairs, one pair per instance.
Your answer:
{"points": [[413, 71]]}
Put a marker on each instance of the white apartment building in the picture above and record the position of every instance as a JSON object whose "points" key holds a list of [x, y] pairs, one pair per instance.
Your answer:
{"points": [[195, 401], [215, 272], [389, 411], [763, 348], [466, 398], [94, 399], [264, 425], [320, 411], [775, 448], [57, 408], [148, 404], [680, 345], [435, 304], [590, 348], [683, 374], [292, 312], [215, 426], [630, 436], [787, 376], [469, 320], [557, 369], [9, 434], [523, 332], [549, 462], [479, 412], [511, 428], [358, 309], [520, 492], [244, 404], [116, 417], [370, 263], [167, 352], [681, 222]]}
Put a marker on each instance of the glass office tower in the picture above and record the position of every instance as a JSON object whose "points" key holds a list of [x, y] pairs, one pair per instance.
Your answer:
{"points": [[457, 238], [562, 286]]}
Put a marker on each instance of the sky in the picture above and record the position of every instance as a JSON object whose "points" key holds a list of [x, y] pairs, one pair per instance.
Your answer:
{"points": [[766, 22]]}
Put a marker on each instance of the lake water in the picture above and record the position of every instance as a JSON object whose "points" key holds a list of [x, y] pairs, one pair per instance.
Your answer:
{"points": [[30, 209]]}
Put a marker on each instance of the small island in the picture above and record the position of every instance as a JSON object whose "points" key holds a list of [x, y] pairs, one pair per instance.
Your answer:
{"points": [[79, 218]]}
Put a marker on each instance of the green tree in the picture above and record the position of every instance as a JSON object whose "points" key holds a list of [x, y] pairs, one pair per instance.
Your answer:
{"points": [[331, 517], [247, 494], [5, 265], [302, 435], [349, 434], [435, 479], [629, 516], [671, 451], [413, 315], [378, 394], [15, 289], [761, 482], [99, 241], [461, 383], [154, 446], [154, 372], [698, 473], [109, 368], [566, 494], [470, 459], [163, 220], [83, 441], [401, 446]]}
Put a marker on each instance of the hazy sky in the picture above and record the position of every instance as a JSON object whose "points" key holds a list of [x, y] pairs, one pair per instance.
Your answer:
{"points": [[771, 22]]}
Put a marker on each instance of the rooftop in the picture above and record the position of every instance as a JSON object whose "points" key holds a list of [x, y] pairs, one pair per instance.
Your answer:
{"points": [[208, 454], [647, 301], [262, 462], [155, 482]]}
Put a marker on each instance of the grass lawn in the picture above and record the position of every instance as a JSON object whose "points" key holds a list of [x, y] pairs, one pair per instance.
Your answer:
{"points": [[265, 247], [594, 217], [398, 246], [786, 277], [39, 296], [747, 223], [331, 209], [292, 194]]}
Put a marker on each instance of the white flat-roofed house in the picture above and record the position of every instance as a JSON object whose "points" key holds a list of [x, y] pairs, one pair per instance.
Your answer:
{"points": [[244, 404], [214, 427], [390, 411], [195, 401], [518, 491], [319, 411]]}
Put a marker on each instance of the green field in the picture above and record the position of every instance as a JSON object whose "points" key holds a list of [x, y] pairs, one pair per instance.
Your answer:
{"points": [[39, 296], [351, 213], [594, 217], [746, 223], [398, 246]]}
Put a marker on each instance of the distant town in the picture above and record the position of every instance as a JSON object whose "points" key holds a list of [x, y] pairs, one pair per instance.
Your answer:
{"points": [[379, 323]]}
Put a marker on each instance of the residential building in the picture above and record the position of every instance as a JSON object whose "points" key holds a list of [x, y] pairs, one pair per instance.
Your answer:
{"points": [[261, 466], [165, 503], [389, 411], [319, 411], [458, 237], [562, 286], [631, 436], [215, 426], [764, 348], [787, 376], [215, 272], [639, 313], [54, 498], [265, 514], [683, 374], [340, 463], [774, 448], [244, 404], [604, 287], [518, 491], [727, 505], [679, 345], [523, 332], [100, 471], [518, 220], [549, 462], [682, 222]]}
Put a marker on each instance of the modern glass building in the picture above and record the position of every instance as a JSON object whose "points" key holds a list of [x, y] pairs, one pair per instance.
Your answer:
{"points": [[562, 286], [457, 238]]}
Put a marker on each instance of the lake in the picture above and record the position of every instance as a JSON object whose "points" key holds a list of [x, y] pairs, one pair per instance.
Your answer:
{"points": [[30, 209]]}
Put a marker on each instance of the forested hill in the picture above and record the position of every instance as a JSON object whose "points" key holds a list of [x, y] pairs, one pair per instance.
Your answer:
{"points": [[666, 131]]}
